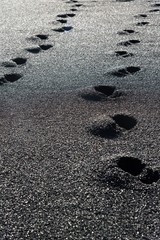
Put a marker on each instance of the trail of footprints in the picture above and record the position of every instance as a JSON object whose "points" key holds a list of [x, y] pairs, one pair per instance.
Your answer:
{"points": [[42, 44], [113, 126]]}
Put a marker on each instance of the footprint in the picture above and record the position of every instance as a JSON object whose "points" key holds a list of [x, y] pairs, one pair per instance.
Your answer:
{"points": [[12, 77], [141, 15], [8, 64], [142, 23], [126, 32], [156, 5], [42, 36], [19, 60], [107, 90], [71, 14], [124, 121], [62, 20], [45, 46], [123, 72], [77, 5], [131, 165], [63, 29], [129, 42], [112, 127], [123, 54], [150, 176], [34, 50], [73, 10], [154, 10], [62, 15]]}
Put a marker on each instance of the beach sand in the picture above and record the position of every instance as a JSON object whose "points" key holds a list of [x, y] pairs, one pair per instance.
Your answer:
{"points": [[79, 123]]}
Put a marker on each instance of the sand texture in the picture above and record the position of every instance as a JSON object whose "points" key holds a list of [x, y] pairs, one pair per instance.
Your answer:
{"points": [[80, 120]]}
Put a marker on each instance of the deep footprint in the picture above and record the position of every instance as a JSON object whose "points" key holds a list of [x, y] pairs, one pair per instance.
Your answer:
{"points": [[45, 46], [34, 50], [63, 29], [126, 31], [12, 77], [62, 15], [131, 165], [141, 15], [42, 36], [142, 23], [19, 60], [123, 72], [107, 90], [125, 121], [123, 54], [150, 176], [62, 20], [128, 43]]}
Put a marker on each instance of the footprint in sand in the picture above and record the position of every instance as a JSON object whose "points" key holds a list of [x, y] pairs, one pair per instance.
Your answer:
{"points": [[102, 93], [123, 54], [141, 16], [135, 167], [73, 10], [45, 46], [42, 36], [12, 77], [113, 126], [126, 32], [34, 49], [62, 20], [142, 23], [124, 172], [129, 42], [19, 60], [154, 10], [63, 29], [156, 5], [131, 165], [123, 72], [62, 15], [77, 5]]}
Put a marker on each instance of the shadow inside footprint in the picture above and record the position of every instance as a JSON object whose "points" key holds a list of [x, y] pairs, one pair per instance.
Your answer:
{"points": [[141, 15], [142, 23], [62, 20], [34, 50], [42, 36], [63, 29], [154, 10], [126, 31], [134, 166], [45, 46], [19, 60], [71, 14], [129, 42], [150, 176], [12, 77], [125, 121], [123, 54], [62, 15], [107, 90], [126, 71]]}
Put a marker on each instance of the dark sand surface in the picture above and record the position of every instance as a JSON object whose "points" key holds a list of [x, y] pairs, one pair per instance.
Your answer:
{"points": [[76, 163]]}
